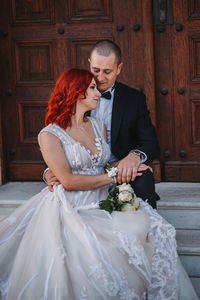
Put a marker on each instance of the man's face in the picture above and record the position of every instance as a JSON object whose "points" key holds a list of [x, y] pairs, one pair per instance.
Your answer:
{"points": [[104, 69]]}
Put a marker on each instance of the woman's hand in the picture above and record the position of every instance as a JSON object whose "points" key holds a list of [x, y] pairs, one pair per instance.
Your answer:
{"points": [[51, 180]]}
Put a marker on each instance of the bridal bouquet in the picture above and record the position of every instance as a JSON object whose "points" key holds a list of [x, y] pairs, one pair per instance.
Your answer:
{"points": [[121, 198]]}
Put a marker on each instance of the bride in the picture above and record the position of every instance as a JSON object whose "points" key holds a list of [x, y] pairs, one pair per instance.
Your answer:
{"points": [[60, 245]]}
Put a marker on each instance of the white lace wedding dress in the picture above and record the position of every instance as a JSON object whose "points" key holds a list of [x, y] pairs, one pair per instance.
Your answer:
{"points": [[58, 246]]}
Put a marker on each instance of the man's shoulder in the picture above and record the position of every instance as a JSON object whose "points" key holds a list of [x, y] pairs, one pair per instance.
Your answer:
{"points": [[127, 89]]}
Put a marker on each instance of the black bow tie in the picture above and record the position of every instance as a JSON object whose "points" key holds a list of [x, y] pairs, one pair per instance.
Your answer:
{"points": [[106, 95]]}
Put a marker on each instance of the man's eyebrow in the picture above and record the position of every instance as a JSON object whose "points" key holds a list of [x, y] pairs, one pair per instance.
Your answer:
{"points": [[103, 69]]}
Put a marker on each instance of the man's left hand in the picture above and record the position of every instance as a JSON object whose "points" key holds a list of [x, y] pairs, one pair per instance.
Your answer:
{"points": [[128, 168]]}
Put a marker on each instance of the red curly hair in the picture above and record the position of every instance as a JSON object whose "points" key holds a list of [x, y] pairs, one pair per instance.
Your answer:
{"points": [[71, 84]]}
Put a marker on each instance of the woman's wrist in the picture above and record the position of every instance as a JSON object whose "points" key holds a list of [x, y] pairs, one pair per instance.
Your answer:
{"points": [[111, 172], [109, 180]]}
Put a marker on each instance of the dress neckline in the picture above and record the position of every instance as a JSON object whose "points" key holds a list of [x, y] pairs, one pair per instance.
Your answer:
{"points": [[95, 157]]}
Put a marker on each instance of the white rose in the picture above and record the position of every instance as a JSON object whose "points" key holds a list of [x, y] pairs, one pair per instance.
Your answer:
{"points": [[136, 203], [127, 207], [125, 187], [125, 196]]}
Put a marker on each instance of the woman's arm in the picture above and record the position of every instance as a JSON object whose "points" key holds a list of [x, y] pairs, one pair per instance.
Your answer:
{"points": [[56, 160]]}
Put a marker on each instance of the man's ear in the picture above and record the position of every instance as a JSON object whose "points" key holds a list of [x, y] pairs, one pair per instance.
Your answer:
{"points": [[89, 60], [119, 68]]}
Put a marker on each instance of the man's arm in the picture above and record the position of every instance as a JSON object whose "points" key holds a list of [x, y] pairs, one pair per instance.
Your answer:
{"points": [[146, 137], [145, 141]]}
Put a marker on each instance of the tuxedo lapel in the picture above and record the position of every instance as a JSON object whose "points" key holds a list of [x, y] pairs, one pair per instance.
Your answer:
{"points": [[117, 113]]}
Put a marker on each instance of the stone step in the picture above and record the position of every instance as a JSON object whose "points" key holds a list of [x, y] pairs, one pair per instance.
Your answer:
{"points": [[188, 246], [180, 204], [178, 191], [14, 194], [20, 190], [196, 284], [188, 241], [181, 217], [8, 206]]}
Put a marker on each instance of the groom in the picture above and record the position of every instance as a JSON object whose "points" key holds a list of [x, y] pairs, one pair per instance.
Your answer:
{"points": [[131, 135]]}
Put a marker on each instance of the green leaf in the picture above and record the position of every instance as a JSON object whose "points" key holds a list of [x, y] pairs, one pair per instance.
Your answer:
{"points": [[108, 166], [112, 187], [113, 190], [106, 205]]}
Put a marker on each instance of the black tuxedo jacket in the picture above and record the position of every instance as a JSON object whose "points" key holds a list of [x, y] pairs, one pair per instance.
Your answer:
{"points": [[131, 126]]}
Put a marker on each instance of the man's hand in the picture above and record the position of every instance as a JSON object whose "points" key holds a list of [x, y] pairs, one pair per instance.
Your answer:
{"points": [[128, 168], [51, 180], [144, 167]]}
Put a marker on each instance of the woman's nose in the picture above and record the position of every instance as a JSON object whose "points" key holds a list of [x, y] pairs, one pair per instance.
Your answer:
{"points": [[98, 93]]}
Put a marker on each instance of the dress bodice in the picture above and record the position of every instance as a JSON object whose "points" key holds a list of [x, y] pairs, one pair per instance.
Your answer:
{"points": [[81, 160]]}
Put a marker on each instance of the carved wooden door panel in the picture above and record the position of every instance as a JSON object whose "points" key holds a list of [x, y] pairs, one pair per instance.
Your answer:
{"points": [[30, 48], [177, 52], [40, 39]]}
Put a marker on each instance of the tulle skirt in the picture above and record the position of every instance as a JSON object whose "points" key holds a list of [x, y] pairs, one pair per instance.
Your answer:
{"points": [[52, 250]]}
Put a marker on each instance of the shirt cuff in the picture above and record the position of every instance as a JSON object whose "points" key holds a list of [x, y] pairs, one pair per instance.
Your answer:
{"points": [[43, 177], [136, 151]]}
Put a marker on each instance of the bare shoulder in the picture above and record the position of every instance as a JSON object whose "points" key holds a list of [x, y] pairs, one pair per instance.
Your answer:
{"points": [[47, 137]]}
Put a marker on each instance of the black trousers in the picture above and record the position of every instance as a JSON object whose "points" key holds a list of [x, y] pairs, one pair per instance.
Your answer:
{"points": [[144, 187]]}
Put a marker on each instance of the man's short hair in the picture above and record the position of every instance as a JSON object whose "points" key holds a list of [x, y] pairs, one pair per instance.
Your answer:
{"points": [[105, 48]]}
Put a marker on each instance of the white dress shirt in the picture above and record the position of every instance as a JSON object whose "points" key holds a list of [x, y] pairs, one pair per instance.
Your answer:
{"points": [[104, 112]]}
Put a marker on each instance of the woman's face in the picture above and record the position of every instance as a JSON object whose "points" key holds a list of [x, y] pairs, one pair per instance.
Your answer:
{"points": [[92, 96]]}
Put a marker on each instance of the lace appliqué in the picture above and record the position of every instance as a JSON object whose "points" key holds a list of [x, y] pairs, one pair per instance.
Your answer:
{"points": [[4, 287], [63, 254], [164, 261], [100, 279], [83, 295], [131, 246], [81, 159], [127, 293], [95, 158]]}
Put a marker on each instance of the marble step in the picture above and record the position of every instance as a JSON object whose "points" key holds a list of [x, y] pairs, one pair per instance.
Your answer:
{"points": [[182, 218], [188, 246], [178, 191], [14, 194], [180, 204], [196, 284], [20, 190], [8, 206]]}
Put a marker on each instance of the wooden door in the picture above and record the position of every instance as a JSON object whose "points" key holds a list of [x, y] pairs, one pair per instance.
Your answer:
{"points": [[40, 39], [177, 52]]}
